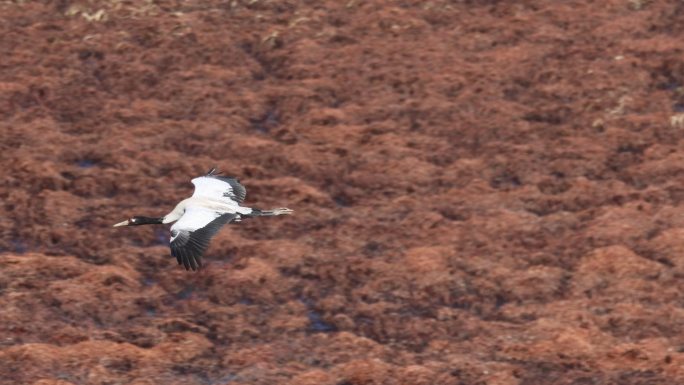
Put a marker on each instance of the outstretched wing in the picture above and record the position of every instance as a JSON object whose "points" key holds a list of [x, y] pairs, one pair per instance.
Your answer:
{"points": [[191, 234], [218, 187]]}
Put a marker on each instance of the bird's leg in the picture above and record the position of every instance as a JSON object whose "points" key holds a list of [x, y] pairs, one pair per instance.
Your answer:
{"points": [[269, 213]]}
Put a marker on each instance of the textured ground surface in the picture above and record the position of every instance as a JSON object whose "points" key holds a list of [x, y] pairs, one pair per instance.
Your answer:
{"points": [[485, 192]]}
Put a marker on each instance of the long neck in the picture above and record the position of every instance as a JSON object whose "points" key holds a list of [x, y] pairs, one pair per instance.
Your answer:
{"points": [[176, 213], [148, 220]]}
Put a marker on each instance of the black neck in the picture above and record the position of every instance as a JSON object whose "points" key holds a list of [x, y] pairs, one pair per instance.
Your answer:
{"points": [[147, 221]]}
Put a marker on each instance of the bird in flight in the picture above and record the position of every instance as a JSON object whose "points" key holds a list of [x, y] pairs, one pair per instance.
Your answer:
{"points": [[215, 202]]}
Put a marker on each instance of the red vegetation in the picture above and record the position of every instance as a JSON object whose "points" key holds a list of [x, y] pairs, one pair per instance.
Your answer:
{"points": [[486, 192]]}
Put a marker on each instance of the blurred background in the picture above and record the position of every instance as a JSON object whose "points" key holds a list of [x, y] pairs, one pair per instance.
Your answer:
{"points": [[485, 192]]}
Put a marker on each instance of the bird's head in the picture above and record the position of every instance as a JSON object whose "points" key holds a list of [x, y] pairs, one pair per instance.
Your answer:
{"points": [[137, 221]]}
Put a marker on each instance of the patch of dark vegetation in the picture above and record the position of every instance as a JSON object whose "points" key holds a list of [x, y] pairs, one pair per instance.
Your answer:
{"points": [[86, 163], [505, 180], [316, 322], [267, 121], [554, 116]]}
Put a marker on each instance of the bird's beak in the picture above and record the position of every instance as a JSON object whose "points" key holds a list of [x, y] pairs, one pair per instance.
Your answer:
{"points": [[124, 223]]}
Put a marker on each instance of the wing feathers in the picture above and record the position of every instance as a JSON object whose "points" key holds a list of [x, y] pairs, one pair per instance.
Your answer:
{"points": [[193, 231], [189, 245], [219, 187]]}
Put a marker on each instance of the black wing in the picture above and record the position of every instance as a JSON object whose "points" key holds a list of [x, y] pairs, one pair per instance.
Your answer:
{"points": [[189, 246]]}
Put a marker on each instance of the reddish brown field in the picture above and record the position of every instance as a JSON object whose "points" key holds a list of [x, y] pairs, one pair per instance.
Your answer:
{"points": [[486, 192]]}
